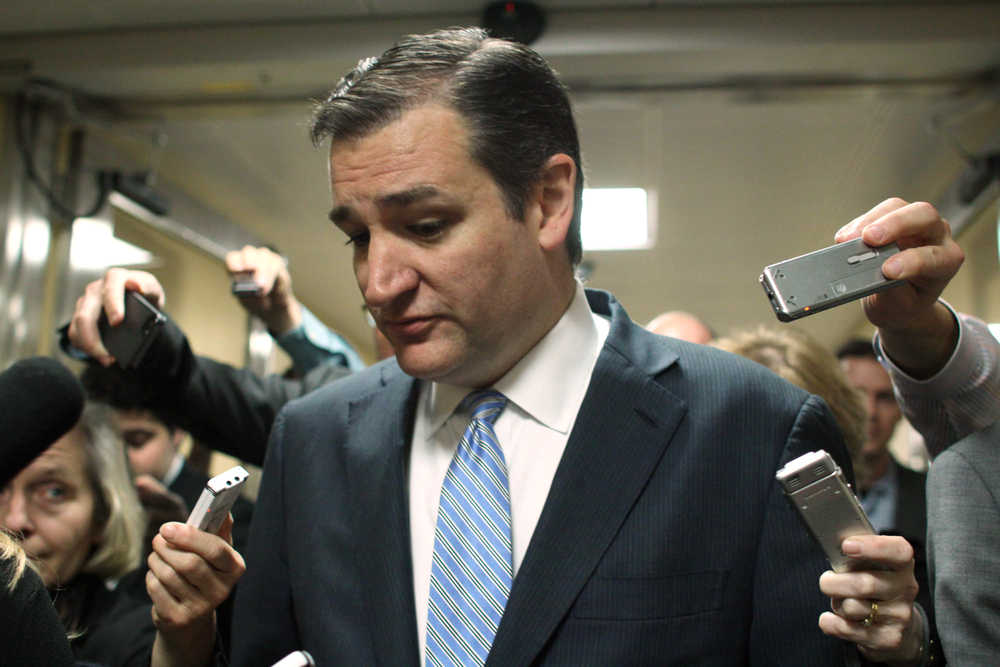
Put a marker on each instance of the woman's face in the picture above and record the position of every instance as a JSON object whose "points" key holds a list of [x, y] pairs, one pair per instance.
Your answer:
{"points": [[50, 504]]}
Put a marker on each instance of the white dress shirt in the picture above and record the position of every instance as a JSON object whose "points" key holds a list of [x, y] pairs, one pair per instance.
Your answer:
{"points": [[544, 393]]}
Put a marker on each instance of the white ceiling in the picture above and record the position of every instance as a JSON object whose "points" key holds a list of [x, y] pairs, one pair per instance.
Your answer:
{"points": [[762, 128]]}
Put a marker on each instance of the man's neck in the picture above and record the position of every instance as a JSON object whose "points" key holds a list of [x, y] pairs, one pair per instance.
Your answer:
{"points": [[877, 469]]}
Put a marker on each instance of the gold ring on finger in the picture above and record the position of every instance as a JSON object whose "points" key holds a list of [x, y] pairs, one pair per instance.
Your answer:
{"points": [[872, 615]]}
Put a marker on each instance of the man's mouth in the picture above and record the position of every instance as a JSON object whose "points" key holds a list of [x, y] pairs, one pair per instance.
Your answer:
{"points": [[407, 327]]}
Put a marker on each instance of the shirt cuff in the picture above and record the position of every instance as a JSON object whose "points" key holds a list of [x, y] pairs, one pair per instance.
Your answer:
{"points": [[312, 344], [952, 377]]}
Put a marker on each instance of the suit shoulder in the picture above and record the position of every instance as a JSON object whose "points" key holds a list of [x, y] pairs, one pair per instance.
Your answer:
{"points": [[977, 455], [345, 389], [721, 371]]}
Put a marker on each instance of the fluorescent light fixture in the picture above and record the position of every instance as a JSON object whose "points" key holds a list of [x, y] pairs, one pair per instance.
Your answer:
{"points": [[93, 246], [615, 219]]}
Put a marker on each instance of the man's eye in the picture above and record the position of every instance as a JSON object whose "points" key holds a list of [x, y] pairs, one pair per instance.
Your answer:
{"points": [[428, 229], [136, 439]]}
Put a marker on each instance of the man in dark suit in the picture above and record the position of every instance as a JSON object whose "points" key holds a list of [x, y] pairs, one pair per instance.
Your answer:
{"points": [[621, 509]]}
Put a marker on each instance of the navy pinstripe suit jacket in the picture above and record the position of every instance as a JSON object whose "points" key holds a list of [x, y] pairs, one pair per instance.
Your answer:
{"points": [[664, 538]]}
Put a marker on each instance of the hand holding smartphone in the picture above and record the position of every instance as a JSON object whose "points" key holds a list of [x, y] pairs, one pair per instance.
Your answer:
{"points": [[244, 285], [129, 341], [217, 499], [816, 487]]}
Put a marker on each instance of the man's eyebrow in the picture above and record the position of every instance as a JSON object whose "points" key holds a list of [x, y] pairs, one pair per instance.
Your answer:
{"points": [[400, 199], [407, 197], [340, 213]]}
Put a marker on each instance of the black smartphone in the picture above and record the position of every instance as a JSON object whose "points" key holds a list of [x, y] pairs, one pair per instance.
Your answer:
{"points": [[826, 278], [129, 340]]}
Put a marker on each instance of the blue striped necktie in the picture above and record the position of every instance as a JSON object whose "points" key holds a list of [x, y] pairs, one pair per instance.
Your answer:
{"points": [[471, 571]]}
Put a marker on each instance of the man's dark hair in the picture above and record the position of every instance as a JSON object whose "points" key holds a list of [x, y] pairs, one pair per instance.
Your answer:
{"points": [[516, 108], [122, 390], [856, 347]]}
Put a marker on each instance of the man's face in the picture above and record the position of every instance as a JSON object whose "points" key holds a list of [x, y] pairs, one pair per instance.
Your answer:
{"points": [[868, 375], [51, 504], [451, 279], [149, 444]]}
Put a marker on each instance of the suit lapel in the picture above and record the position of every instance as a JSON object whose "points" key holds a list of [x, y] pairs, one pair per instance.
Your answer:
{"points": [[376, 466], [623, 427]]}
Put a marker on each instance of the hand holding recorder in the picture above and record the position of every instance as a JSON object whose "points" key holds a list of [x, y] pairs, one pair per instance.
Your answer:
{"points": [[874, 608], [263, 286], [186, 591], [872, 587], [916, 331]]}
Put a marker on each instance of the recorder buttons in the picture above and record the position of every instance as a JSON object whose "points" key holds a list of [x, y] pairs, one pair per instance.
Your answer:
{"points": [[857, 259]]}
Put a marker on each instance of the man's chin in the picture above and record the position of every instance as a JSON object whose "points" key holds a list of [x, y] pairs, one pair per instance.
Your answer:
{"points": [[428, 362], [423, 369]]}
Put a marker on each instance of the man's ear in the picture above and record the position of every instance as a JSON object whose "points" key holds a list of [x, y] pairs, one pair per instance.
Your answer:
{"points": [[177, 437], [556, 199]]}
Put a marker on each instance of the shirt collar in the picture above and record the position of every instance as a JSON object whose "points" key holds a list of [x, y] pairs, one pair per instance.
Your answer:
{"points": [[174, 470], [886, 483], [550, 381]]}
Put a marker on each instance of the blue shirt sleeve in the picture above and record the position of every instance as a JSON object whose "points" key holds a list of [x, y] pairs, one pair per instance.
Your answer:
{"points": [[312, 344]]}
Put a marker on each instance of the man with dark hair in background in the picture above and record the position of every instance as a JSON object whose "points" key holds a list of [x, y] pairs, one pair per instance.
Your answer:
{"points": [[152, 441], [892, 494], [533, 479]]}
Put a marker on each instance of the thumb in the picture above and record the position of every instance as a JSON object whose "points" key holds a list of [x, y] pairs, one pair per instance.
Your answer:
{"points": [[226, 531]]}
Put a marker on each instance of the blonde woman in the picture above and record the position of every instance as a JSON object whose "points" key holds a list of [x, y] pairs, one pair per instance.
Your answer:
{"points": [[67, 497], [75, 511]]}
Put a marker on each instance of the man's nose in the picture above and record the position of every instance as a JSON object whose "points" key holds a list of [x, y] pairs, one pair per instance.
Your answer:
{"points": [[387, 273], [870, 404]]}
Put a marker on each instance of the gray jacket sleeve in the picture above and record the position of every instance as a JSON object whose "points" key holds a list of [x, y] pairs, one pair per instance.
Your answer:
{"points": [[964, 547]]}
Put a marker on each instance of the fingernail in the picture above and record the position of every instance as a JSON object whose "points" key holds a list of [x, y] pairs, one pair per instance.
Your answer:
{"points": [[851, 548], [892, 267], [875, 233], [168, 530]]}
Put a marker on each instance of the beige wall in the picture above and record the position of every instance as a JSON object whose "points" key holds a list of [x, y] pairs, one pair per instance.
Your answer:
{"points": [[976, 288]]}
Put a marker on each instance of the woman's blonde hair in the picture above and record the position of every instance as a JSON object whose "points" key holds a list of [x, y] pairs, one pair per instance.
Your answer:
{"points": [[13, 560], [118, 513], [798, 358]]}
